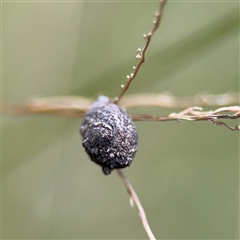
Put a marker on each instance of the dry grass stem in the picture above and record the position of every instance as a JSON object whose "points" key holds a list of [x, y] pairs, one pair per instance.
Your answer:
{"points": [[168, 100], [75, 106], [133, 195], [67, 106], [141, 52], [196, 114]]}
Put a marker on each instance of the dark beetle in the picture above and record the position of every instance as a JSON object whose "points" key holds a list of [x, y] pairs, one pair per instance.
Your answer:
{"points": [[109, 135]]}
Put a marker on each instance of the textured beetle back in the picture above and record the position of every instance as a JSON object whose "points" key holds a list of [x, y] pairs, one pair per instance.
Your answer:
{"points": [[109, 135]]}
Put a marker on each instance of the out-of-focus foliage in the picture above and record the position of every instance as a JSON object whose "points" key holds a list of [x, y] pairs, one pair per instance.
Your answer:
{"points": [[185, 174]]}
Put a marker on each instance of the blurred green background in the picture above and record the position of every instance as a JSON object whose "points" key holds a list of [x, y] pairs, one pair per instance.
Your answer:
{"points": [[186, 175]]}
